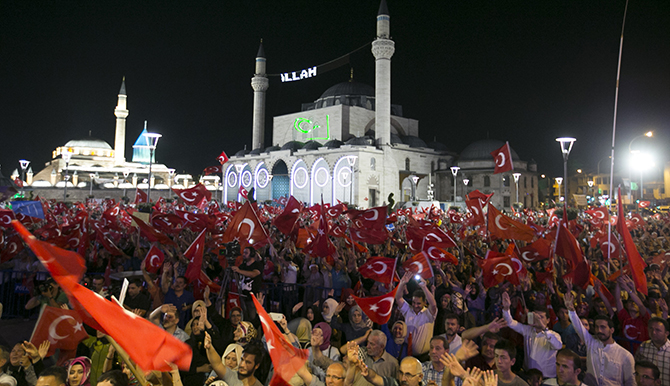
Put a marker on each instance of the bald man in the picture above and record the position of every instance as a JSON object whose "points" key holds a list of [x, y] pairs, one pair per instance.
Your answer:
{"points": [[410, 372], [334, 375]]}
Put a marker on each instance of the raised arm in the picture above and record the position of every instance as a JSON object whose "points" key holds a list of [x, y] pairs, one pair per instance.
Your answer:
{"points": [[166, 278], [629, 286], [401, 288], [214, 357], [511, 323], [357, 364], [432, 305], [476, 332], [569, 300]]}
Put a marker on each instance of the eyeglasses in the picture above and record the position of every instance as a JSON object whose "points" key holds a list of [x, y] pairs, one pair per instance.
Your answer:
{"points": [[334, 377], [406, 375]]}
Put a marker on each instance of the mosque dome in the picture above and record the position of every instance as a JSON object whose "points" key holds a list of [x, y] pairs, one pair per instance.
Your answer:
{"points": [[333, 144], [89, 142], [413, 141], [349, 88], [481, 150], [361, 141], [395, 139], [312, 145], [293, 145], [256, 151], [438, 146], [272, 148]]}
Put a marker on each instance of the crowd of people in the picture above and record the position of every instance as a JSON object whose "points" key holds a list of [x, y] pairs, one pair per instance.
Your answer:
{"points": [[449, 329]]}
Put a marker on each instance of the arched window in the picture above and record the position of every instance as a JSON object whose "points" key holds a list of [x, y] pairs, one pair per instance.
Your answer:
{"points": [[487, 181], [506, 180], [373, 163], [407, 164]]}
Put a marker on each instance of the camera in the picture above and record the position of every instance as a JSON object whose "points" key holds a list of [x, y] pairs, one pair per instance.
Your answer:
{"points": [[45, 287], [230, 250]]}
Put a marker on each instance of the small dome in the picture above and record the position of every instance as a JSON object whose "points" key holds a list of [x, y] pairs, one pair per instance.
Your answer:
{"points": [[333, 144], [438, 146], [395, 139], [312, 145], [272, 148], [413, 141], [256, 151], [241, 153], [349, 88], [293, 145], [481, 150], [361, 141], [89, 142]]}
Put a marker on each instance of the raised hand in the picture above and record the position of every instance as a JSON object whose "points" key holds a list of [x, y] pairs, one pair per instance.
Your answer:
{"points": [[44, 349], [31, 350], [340, 307], [316, 340], [568, 283], [261, 298], [472, 377], [496, 325], [490, 378], [506, 302], [569, 301], [205, 293], [467, 350], [208, 341], [455, 368]]}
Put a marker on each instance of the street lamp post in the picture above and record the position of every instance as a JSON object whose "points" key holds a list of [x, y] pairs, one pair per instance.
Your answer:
{"points": [[466, 182], [66, 157], [566, 147], [352, 162], [454, 172], [590, 183], [415, 180], [90, 184], [516, 184], [648, 134], [559, 181], [24, 165], [151, 140]]}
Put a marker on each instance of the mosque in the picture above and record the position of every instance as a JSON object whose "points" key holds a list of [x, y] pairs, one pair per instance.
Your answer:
{"points": [[352, 145]]}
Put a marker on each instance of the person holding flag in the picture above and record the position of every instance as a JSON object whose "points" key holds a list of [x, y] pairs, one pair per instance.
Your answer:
{"points": [[420, 317]]}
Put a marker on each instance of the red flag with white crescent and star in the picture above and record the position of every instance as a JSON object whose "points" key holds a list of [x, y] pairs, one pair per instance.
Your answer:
{"points": [[213, 170], [62, 328], [286, 358], [540, 249], [502, 158], [504, 227], [154, 259], [6, 217], [635, 262], [378, 308], [140, 196], [373, 218], [223, 157], [194, 255], [193, 196], [380, 269], [419, 265], [498, 269], [246, 228], [243, 192]]}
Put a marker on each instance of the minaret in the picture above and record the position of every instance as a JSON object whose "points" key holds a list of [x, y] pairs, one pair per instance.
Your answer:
{"points": [[260, 84], [121, 113], [383, 48]]}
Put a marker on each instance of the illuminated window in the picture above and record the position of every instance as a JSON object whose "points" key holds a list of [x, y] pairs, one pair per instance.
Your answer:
{"points": [[487, 181]]}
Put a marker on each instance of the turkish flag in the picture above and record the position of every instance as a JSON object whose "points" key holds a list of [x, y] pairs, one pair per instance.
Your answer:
{"points": [[635, 261], [154, 259], [370, 236], [195, 221], [645, 204], [242, 192], [140, 196], [504, 227], [539, 250], [379, 269], [661, 259], [373, 219], [335, 210], [419, 265], [637, 220], [194, 255], [338, 230], [378, 308], [439, 254], [213, 170], [321, 245], [287, 359], [233, 301], [6, 217], [62, 328], [152, 234], [285, 222], [476, 211], [108, 244], [193, 196], [111, 214], [223, 158], [422, 237], [166, 223], [610, 249], [503, 159], [495, 270], [599, 213], [568, 247], [483, 198], [13, 245], [246, 228]]}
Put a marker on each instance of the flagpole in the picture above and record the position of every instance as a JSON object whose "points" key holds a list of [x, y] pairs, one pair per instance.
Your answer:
{"points": [[222, 182], [616, 104], [126, 359]]}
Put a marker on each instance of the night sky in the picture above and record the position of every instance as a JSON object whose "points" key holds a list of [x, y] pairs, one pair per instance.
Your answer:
{"points": [[522, 71]]}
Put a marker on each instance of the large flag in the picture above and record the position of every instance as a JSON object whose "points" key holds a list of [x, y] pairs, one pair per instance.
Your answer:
{"points": [[378, 308], [194, 255], [193, 196], [62, 328], [150, 233], [286, 220], [540, 249], [635, 262], [126, 328], [29, 208], [568, 247], [6, 217], [380, 269], [287, 359], [370, 236], [495, 270], [140, 196], [154, 259], [321, 245], [419, 265], [373, 218], [504, 227], [503, 159], [476, 212], [246, 228]]}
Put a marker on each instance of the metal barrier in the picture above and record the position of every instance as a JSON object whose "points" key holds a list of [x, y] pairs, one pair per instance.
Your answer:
{"points": [[16, 288]]}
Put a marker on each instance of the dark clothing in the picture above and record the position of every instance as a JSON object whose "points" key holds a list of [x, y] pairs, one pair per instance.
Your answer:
{"points": [[141, 301], [479, 362], [248, 284], [178, 301]]}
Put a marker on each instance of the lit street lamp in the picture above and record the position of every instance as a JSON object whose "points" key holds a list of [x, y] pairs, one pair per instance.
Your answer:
{"points": [[24, 165], [90, 184], [559, 181], [516, 183], [150, 142], [590, 183], [648, 134], [566, 147], [415, 180], [66, 157], [466, 182], [454, 172]]}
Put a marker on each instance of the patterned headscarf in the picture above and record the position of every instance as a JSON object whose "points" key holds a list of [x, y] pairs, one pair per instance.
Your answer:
{"points": [[86, 364], [249, 332]]}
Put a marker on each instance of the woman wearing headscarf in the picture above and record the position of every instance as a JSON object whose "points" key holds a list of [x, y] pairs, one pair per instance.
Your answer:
{"points": [[244, 333], [329, 309], [322, 330], [358, 328], [396, 339], [78, 372], [348, 299]]}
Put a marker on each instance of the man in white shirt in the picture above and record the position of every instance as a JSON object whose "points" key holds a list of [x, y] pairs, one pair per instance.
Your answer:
{"points": [[419, 318], [452, 326], [540, 343], [608, 362]]}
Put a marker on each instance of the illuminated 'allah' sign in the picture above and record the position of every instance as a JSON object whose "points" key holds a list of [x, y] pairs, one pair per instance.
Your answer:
{"points": [[298, 75]]}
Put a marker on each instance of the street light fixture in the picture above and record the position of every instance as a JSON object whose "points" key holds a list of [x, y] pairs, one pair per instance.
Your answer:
{"points": [[590, 183], [516, 183], [126, 172], [66, 157], [352, 162], [559, 181], [24, 165], [90, 184], [415, 180], [150, 143], [648, 134], [454, 172], [566, 147]]}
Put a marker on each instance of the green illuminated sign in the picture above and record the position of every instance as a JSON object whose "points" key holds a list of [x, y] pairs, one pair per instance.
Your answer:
{"points": [[307, 126]]}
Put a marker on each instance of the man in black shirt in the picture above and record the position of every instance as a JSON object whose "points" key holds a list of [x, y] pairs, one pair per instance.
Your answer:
{"points": [[250, 279], [135, 299]]}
